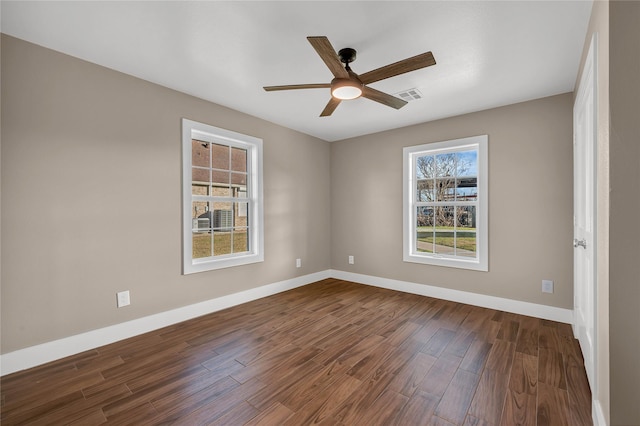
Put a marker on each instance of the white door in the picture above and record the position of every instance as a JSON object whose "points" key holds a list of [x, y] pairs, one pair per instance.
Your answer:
{"points": [[584, 254]]}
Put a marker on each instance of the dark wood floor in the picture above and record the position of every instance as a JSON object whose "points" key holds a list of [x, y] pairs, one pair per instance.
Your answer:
{"points": [[331, 353]]}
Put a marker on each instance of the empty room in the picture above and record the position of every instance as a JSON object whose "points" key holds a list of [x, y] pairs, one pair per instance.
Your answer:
{"points": [[317, 212]]}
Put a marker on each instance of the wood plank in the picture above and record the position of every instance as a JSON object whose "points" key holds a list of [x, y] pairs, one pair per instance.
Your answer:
{"points": [[240, 414], [509, 331], [437, 344], [357, 404], [553, 406], [519, 409], [276, 414], [488, 401], [275, 390], [579, 392], [524, 374], [548, 338], [500, 356], [412, 374], [418, 409], [476, 356], [551, 368], [440, 374], [385, 409], [474, 421], [461, 343], [213, 407], [305, 391], [457, 398], [326, 402], [527, 341]]}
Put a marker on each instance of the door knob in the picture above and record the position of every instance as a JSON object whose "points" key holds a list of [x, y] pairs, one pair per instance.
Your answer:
{"points": [[579, 243]]}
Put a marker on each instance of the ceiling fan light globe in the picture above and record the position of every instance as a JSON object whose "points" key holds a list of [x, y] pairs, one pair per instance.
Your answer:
{"points": [[345, 89]]}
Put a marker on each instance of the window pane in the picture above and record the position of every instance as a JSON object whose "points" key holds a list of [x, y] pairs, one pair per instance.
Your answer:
{"points": [[425, 167], [240, 210], [424, 229], [200, 153], [424, 217], [220, 178], [201, 216], [222, 219], [199, 189], [444, 235], [445, 165], [239, 180], [425, 190], [201, 245], [466, 218], [467, 189], [238, 160], [199, 175], [221, 243], [466, 244], [240, 240], [466, 231], [220, 157], [445, 189], [467, 163], [444, 242], [220, 184], [444, 217]]}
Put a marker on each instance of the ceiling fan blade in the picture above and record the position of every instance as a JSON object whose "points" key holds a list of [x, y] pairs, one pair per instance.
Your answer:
{"points": [[331, 106], [298, 86], [406, 65], [383, 98], [328, 54]]}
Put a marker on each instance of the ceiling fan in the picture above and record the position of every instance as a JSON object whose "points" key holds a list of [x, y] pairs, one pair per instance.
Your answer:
{"points": [[349, 85]]}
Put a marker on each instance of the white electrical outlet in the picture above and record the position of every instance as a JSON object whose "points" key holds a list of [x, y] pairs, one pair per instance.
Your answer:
{"points": [[547, 286], [123, 298], [298, 263], [351, 260]]}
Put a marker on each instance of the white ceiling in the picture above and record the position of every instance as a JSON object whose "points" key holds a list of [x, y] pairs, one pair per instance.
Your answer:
{"points": [[488, 53]]}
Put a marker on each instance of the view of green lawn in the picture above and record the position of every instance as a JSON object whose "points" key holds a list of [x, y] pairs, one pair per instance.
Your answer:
{"points": [[221, 243], [444, 236]]}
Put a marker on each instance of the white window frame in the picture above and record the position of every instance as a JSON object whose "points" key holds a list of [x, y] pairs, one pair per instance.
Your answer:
{"points": [[410, 252], [192, 129]]}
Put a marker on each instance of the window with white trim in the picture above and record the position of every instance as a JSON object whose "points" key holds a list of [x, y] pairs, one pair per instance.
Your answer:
{"points": [[445, 197], [222, 198]]}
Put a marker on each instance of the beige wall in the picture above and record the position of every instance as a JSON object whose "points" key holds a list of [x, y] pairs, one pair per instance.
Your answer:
{"points": [[530, 202], [91, 198], [624, 243]]}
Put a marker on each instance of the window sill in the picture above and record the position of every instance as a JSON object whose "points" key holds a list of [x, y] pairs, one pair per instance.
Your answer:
{"points": [[472, 264]]}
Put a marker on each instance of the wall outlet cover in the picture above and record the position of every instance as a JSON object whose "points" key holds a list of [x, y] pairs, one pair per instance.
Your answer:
{"points": [[123, 298]]}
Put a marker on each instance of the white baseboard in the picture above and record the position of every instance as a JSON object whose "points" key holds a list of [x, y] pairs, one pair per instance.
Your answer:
{"points": [[508, 305], [51, 351]]}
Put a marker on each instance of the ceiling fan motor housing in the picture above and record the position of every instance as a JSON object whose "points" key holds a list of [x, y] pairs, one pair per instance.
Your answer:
{"points": [[347, 55]]}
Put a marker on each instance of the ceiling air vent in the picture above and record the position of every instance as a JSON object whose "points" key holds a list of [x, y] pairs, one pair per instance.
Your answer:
{"points": [[409, 95]]}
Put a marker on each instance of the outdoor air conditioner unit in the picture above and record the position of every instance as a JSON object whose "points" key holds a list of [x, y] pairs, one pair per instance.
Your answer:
{"points": [[222, 220], [200, 224]]}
